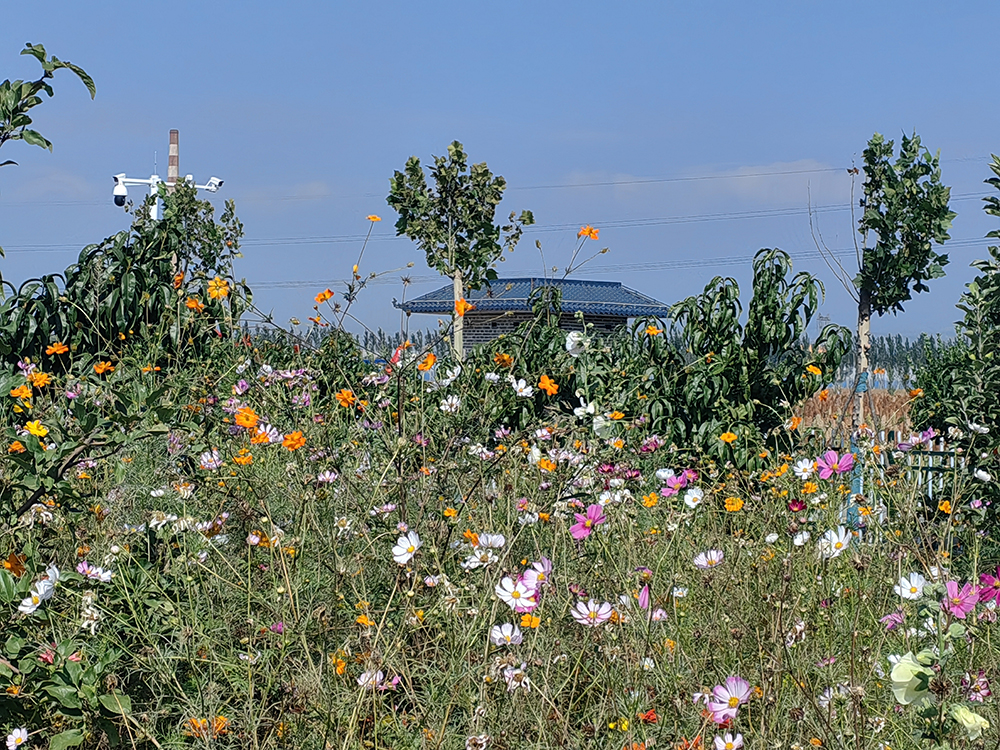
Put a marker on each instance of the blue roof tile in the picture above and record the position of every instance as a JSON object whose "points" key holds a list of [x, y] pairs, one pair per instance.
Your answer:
{"points": [[590, 297]]}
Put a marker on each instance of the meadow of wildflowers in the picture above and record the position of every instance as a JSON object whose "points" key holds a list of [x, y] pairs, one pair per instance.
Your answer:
{"points": [[281, 547]]}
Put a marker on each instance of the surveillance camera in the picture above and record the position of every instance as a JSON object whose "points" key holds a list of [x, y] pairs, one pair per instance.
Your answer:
{"points": [[120, 192], [213, 185]]}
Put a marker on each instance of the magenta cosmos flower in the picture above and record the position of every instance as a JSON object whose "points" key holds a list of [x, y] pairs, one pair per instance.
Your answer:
{"points": [[727, 698], [989, 587], [585, 524], [831, 463], [960, 603]]}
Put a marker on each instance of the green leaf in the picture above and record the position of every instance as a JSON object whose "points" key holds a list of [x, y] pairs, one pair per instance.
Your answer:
{"points": [[69, 738], [116, 703], [34, 138], [65, 694], [8, 587]]}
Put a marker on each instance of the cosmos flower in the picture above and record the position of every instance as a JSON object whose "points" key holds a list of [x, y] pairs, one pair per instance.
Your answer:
{"points": [[727, 698], [585, 524], [505, 635], [591, 613], [406, 547], [911, 586], [710, 559]]}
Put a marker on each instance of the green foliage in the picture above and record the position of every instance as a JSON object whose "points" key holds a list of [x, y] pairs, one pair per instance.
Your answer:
{"points": [[453, 221], [17, 98], [906, 208], [135, 283]]}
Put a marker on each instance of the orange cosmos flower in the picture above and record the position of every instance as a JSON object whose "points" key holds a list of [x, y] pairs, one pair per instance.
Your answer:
{"points": [[546, 465], [243, 458], [462, 307], [529, 620], [472, 537], [450, 513], [734, 504], [22, 391], [323, 296], [650, 500], [373, 217], [193, 303], [823, 394], [260, 438], [294, 441], [40, 379], [218, 288], [653, 331], [548, 385], [728, 437], [15, 564], [102, 367], [246, 417], [503, 360], [428, 362], [589, 232], [37, 429], [794, 422], [945, 506], [16, 447], [616, 415], [814, 370], [345, 397], [916, 393], [178, 280], [57, 348]]}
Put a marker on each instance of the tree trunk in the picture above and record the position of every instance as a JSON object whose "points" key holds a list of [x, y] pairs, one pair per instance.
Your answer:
{"points": [[459, 319], [861, 367]]}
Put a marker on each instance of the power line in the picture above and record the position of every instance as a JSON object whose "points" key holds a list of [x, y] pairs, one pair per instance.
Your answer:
{"points": [[609, 224], [678, 264]]}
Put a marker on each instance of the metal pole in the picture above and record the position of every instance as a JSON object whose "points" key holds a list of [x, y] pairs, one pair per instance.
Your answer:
{"points": [[154, 189]]}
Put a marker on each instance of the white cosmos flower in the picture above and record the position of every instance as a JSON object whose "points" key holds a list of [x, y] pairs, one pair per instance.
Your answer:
{"points": [[406, 547], [911, 586], [515, 593], [17, 738], [978, 428], [479, 558], [801, 538], [496, 541], [505, 635], [371, 679], [522, 388], [516, 678], [585, 409], [576, 342], [662, 475], [982, 475], [834, 542], [492, 377], [804, 469], [451, 405], [771, 538], [693, 497], [709, 559]]}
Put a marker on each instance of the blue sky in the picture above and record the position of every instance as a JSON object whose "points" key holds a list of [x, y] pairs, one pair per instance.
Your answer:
{"points": [[306, 108]]}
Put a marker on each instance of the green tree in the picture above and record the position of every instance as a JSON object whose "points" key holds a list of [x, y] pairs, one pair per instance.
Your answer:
{"points": [[906, 212], [18, 97], [453, 221]]}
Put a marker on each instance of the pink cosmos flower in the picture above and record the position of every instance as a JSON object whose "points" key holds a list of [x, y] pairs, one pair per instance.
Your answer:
{"points": [[893, 620], [538, 575], [644, 597], [676, 483], [959, 603], [592, 614], [690, 474], [726, 699], [830, 463], [989, 587], [585, 524]]}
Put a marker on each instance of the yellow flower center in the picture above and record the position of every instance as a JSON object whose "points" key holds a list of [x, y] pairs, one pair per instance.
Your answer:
{"points": [[729, 746], [838, 545], [592, 615], [734, 702], [515, 594], [411, 548], [913, 589]]}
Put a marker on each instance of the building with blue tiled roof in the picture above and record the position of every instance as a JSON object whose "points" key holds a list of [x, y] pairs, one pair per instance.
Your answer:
{"points": [[504, 304]]}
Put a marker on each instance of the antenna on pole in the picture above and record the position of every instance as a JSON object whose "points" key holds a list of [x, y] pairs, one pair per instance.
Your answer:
{"points": [[173, 162]]}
